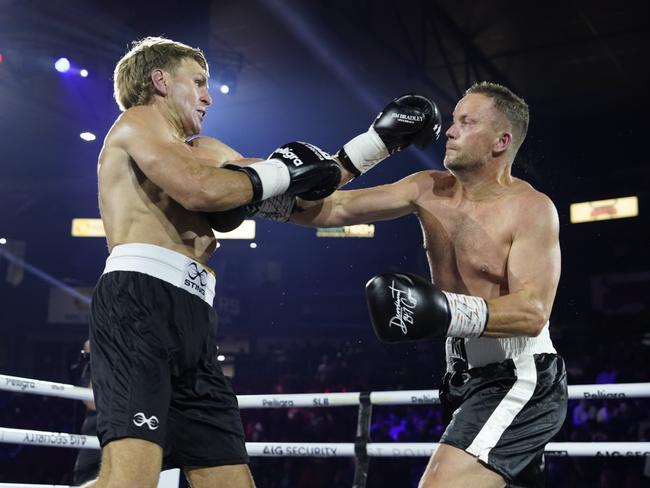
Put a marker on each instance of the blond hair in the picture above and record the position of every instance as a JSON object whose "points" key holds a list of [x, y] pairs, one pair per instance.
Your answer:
{"points": [[513, 107], [132, 77]]}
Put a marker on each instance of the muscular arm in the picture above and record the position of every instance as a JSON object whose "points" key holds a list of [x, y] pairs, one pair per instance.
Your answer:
{"points": [[533, 274], [351, 207], [171, 165], [212, 152]]}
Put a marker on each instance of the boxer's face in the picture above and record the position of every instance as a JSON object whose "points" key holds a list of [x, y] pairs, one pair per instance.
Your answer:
{"points": [[188, 95], [473, 133]]}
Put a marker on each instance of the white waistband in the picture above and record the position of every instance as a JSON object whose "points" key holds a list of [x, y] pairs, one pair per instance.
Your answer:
{"points": [[167, 265], [479, 351]]}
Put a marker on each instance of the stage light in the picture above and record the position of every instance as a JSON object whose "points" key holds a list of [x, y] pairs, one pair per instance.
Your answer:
{"points": [[83, 73], [3, 240], [614, 208], [227, 80], [361, 230], [87, 136], [221, 358], [253, 245], [62, 65]]}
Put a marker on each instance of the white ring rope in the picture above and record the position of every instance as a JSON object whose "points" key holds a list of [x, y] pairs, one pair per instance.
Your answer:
{"points": [[404, 397], [331, 449]]}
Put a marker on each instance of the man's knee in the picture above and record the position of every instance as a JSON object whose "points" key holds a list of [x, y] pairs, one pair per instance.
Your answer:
{"points": [[235, 476], [451, 467], [130, 463]]}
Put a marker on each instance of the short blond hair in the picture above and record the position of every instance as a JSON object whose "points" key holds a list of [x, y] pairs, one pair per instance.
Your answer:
{"points": [[513, 107], [132, 77]]}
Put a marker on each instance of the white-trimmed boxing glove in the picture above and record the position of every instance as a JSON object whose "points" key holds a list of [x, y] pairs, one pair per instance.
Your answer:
{"points": [[296, 168], [406, 307], [409, 119]]}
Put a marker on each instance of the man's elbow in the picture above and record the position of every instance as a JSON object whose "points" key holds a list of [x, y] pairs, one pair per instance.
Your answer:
{"points": [[192, 200]]}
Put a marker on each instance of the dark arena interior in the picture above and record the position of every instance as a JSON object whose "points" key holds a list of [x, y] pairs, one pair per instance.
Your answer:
{"points": [[293, 318]]}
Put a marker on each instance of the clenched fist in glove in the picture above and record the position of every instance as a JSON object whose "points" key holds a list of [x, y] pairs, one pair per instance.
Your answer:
{"points": [[407, 307], [409, 119], [296, 168]]}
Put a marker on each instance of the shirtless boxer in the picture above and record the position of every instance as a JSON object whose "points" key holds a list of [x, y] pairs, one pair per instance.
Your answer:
{"points": [[492, 244], [162, 399]]}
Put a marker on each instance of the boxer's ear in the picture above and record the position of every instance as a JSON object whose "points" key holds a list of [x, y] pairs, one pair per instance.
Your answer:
{"points": [[159, 81]]}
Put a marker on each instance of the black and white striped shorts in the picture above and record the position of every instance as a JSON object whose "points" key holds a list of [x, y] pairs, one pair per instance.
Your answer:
{"points": [[505, 413]]}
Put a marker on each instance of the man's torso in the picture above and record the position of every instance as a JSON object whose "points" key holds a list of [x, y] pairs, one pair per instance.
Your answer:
{"points": [[135, 210], [468, 243]]}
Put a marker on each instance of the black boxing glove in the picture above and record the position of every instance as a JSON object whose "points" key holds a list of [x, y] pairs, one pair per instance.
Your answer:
{"points": [[296, 168], [318, 176], [409, 119], [407, 307], [228, 220]]}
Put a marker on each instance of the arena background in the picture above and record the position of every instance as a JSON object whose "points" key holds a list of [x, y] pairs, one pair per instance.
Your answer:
{"points": [[292, 309]]}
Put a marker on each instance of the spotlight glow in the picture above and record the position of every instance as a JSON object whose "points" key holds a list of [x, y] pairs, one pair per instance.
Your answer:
{"points": [[87, 136], [224, 89], [253, 245], [3, 240], [62, 65], [221, 358], [83, 73]]}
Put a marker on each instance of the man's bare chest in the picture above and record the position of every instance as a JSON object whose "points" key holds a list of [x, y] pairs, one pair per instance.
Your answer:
{"points": [[473, 241]]}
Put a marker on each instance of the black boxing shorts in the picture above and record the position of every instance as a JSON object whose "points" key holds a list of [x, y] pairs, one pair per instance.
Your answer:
{"points": [[505, 413], [155, 374]]}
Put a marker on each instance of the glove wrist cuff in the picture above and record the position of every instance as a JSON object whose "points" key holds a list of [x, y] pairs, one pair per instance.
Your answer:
{"points": [[274, 178], [277, 209], [469, 315], [363, 152]]}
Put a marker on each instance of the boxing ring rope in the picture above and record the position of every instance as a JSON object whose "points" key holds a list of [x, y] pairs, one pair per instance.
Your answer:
{"points": [[361, 449], [403, 397], [330, 449]]}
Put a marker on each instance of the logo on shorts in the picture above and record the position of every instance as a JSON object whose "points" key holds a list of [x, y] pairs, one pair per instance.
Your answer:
{"points": [[194, 272], [139, 419]]}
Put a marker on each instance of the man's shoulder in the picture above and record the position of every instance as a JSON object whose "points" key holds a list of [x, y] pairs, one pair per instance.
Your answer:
{"points": [[432, 176], [141, 116], [212, 144], [136, 122], [530, 201], [527, 193]]}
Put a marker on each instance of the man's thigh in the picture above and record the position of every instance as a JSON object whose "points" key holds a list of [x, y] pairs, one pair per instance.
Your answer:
{"points": [[232, 476], [451, 467]]}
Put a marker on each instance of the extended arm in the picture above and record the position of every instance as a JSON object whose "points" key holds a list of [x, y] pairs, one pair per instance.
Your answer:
{"points": [[349, 207], [409, 119]]}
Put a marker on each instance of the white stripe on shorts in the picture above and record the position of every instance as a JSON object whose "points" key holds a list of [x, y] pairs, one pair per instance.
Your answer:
{"points": [[511, 404]]}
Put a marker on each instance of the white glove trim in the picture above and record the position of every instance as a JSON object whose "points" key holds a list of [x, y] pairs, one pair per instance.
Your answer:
{"points": [[274, 176], [469, 315], [366, 150]]}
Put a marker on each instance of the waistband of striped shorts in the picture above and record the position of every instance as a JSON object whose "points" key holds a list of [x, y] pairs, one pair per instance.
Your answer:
{"points": [[167, 265]]}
